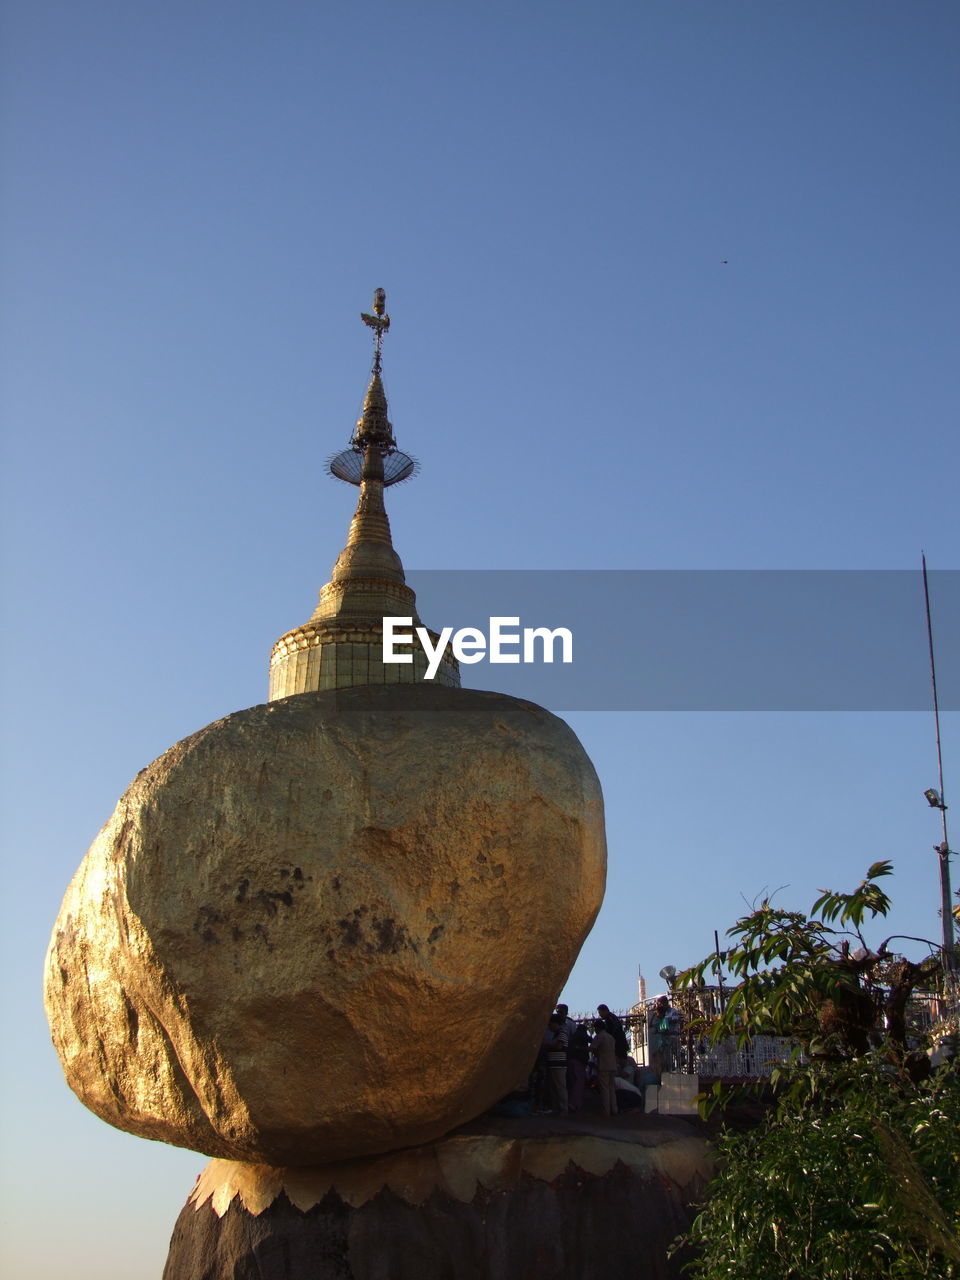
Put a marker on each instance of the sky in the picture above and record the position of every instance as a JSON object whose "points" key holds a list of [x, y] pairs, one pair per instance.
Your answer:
{"points": [[672, 287]]}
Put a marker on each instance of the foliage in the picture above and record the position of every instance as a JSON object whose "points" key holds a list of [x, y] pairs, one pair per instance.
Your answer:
{"points": [[856, 1170], [797, 976], [860, 1179]]}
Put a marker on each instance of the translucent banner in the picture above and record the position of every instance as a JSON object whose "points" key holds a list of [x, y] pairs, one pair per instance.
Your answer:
{"points": [[700, 640]]}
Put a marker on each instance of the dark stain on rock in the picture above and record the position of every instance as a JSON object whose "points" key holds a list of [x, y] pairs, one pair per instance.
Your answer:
{"points": [[242, 888], [392, 937], [350, 930], [260, 933], [435, 933], [207, 917], [268, 900]]}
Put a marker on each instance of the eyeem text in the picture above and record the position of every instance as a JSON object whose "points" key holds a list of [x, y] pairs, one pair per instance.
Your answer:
{"points": [[470, 644]]}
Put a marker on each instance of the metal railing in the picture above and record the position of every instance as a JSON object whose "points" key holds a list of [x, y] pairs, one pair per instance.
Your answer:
{"points": [[694, 1055]]}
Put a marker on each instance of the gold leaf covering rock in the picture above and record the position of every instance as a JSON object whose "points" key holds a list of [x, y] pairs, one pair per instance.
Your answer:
{"points": [[328, 926]]}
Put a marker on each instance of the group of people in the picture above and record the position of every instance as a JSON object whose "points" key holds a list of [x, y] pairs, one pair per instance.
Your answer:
{"points": [[572, 1053]]}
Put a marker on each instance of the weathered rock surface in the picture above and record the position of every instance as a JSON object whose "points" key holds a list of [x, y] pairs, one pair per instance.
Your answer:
{"points": [[329, 925], [475, 1206]]}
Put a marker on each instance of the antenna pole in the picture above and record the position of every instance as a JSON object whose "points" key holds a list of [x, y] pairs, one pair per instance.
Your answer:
{"points": [[942, 850], [716, 948]]}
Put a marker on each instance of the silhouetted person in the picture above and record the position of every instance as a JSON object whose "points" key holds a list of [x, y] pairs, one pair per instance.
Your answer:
{"points": [[605, 1052], [555, 1042], [614, 1026], [578, 1056]]}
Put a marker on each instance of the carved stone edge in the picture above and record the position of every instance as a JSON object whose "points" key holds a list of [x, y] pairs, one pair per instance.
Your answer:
{"points": [[458, 1166]]}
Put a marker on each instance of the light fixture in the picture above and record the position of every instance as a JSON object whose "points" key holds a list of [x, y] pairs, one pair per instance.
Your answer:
{"points": [[933, 799]]}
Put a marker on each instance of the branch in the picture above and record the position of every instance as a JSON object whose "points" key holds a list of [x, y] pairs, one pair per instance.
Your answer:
{"points": [[908, 937]]}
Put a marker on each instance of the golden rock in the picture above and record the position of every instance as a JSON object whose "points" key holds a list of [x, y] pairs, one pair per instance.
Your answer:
{"points": [[328, 926]]}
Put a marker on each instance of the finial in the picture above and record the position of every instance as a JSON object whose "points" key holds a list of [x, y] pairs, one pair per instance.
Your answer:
{"points": [[373, 452], [379, 322]]}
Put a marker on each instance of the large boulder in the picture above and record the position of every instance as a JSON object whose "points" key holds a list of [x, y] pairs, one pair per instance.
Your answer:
{"points": [[330, 925]]}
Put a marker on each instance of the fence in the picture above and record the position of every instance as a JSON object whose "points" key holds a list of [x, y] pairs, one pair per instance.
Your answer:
{"points": [[694, 1055]]}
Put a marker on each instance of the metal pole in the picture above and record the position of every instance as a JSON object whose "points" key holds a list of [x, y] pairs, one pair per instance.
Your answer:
{"points": [[942, 850], [716, 947]]}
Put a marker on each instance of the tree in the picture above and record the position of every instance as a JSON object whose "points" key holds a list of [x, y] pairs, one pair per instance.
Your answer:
{"points": [[798, 976], [860, 1182], [855, 1172]]}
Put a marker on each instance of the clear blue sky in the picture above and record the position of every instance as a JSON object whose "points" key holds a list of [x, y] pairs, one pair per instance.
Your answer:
{"points": [[673, 286]]}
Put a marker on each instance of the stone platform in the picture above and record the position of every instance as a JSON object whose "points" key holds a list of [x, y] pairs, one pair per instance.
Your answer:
{"points": [[570, 1198]]}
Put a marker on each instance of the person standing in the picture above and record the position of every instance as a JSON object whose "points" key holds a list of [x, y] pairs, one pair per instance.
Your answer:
{"points": [[614, 1026], [663, 1035], [605, 1052], [578, 1056], [569, 1026], [556, 1046]]}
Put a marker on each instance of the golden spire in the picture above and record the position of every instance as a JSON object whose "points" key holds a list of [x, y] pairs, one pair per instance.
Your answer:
{"points": [[373, 425], [373, 434], [341, 645], [371, 444]]}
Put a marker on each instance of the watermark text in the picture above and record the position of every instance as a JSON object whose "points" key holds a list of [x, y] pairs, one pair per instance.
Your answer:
{"points": [[506, 642]]}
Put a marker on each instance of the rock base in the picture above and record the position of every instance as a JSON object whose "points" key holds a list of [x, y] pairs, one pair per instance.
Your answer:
{"points": [[575, 1200]]}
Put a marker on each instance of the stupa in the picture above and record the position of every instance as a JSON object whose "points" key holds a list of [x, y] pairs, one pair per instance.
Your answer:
{"points": [[321, 935]]}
